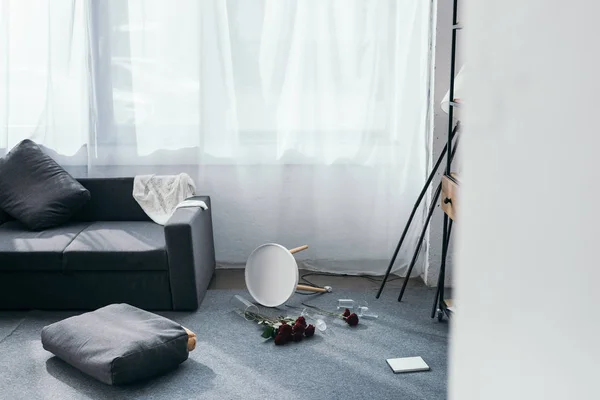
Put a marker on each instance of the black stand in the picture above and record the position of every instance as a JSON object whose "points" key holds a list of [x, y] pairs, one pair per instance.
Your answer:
{"points": [[432, 208], [439, 302], [449, 151], [412, 214]]}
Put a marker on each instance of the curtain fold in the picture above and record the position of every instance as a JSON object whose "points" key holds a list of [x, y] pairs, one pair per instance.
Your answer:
{"points": [[304, 119]]}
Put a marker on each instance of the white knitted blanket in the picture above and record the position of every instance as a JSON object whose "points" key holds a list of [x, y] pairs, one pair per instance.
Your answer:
{"points": [[159, 196]]}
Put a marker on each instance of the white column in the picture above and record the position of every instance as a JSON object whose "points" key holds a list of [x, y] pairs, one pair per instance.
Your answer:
{"points": [[527, 270]]}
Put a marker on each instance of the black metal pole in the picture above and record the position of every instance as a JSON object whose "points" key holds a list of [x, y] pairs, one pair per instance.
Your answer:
{"points": [[423, 231], [413, 212], [442, 276], [421, 237], [446, 235], [444, 250], [437, 286], [451, 89], [439, 295]]}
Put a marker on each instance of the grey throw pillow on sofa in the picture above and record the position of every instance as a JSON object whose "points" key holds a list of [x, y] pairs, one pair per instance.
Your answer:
{"points": [[118, 344], [36, 190], [4, 217]]}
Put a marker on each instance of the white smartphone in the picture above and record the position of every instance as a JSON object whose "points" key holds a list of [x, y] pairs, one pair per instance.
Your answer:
{"points": [[407, 364]]}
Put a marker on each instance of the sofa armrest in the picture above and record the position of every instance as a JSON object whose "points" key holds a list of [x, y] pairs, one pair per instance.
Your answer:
{"points": [[191, 254]]}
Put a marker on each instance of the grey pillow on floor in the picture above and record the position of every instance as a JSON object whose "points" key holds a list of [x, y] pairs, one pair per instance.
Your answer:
{"points": [[118, 344]]}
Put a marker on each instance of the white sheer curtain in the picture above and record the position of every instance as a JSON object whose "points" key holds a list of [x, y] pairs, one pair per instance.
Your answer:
{"points": [[171, 77], [44, 80], [305, 120]]}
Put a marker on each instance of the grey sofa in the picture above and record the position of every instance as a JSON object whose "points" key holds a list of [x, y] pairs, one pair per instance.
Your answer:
{"points": [[109, 252]]}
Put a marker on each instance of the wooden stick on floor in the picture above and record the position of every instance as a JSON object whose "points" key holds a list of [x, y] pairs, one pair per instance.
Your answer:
{"points": [[297, 249], [306, 288], [311, 289]]}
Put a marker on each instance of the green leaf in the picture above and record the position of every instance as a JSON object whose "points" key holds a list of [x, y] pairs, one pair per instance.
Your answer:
{"points": [[268, 332]]}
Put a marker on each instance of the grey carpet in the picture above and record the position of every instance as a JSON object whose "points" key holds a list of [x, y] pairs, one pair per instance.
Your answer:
{"points": [[232, 361]]}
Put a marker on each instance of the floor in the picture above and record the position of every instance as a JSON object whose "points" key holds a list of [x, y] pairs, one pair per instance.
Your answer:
{"points": [[232, 361]]}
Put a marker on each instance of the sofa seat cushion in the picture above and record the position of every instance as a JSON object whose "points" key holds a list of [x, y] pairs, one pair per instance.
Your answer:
{"points": [[118, 246], [25, 250]]}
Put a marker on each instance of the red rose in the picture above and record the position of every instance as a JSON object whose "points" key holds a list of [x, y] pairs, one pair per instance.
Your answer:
{"points": [[298, 328], [352, 319], [285, 330], [346, 313], [309, 331], [302, 321], [279, 340], [297, 336]]}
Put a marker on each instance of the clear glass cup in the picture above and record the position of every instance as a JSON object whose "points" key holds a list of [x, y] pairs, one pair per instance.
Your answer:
{"points": [[243, 306], [318, 319], [362, 310], [345, 303]]}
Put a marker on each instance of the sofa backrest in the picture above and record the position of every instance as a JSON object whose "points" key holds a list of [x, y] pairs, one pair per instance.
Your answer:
{"points": [[112, 200]]}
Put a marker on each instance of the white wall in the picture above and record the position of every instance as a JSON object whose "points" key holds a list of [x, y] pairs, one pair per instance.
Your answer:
{"points": [[528, 271], [441, 83], [441, 49]]}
